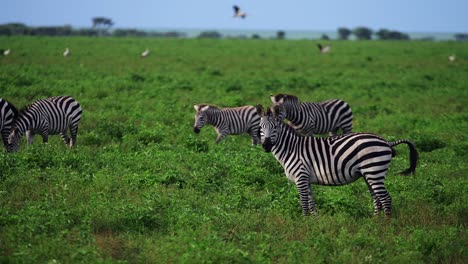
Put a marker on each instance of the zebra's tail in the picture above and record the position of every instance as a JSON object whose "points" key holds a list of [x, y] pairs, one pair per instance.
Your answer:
{"points": [[414, 156]]}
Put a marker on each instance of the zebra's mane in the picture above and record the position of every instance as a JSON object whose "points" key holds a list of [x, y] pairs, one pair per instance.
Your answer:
{"points": [[210, 106], [13, 107], [286, 97]]}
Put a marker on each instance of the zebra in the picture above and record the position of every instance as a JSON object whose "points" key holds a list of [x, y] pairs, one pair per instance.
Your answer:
{"points": [[8, 113], [315, 118], [46, 117], [228, 121], [336, 160]]}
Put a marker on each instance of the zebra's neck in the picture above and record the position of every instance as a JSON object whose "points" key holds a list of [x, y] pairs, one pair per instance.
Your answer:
{"points": [[26, 120], [214, 117], [293, 112], [287, 141]]}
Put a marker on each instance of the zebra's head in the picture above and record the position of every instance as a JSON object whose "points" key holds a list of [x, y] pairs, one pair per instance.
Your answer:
{"points": [[269, 126], [14, 139], [200, 117], [284, 102]]}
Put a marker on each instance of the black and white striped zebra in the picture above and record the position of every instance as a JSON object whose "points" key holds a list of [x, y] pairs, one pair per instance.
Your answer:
{"points": [[228, 121], [315, 118], [334, 160], [8, 113], [54, 115]]}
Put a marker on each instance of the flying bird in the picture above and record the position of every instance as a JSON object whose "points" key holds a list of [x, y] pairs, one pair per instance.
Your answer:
{"points": [[323, 49], [145, 53], [452, 57], [238, 13], [67, 52], [6, 52]]}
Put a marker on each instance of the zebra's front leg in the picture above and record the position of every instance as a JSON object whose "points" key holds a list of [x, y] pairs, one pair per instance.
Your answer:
{"points": [[255, 136], [73, 132], [312, 207], [305, 195], [29, 136], [65, 137], [219, 138]]}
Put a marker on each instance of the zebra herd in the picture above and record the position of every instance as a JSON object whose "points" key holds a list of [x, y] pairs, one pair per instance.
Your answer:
{"points": [[54, 115], [306, 159], [334, 160]]}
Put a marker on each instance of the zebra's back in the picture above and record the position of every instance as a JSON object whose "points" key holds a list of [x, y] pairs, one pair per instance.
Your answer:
{"points": [[241, 119], [343, 159]]}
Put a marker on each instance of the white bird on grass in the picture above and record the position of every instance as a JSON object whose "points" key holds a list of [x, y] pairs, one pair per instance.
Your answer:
{"points": [[145, 53], [67, 52], [6, 52], [452, 57], [238, 13], [323, 49]]}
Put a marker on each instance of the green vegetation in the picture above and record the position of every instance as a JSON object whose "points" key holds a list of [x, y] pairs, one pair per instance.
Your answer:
{"points": [[141, 187]]}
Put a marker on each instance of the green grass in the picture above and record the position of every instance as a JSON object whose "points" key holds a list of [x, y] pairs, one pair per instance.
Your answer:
{"points": [[141, 187]]}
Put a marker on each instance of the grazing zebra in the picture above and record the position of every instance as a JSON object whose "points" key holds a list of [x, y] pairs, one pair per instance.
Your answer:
{"points": [[335, 160], [8, 113], [228, 121], [46, 117], [315, 118]]}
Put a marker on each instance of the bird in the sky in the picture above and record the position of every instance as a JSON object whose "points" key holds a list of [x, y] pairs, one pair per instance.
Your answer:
{"points": [[238, 12], [67, 52], [323, 49], [145, 53]]}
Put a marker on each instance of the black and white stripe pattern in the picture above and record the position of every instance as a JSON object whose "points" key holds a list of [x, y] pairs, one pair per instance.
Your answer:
{"points": [[46, 117], [315, 118], [228, 121], [331, 161], [8, 113]]}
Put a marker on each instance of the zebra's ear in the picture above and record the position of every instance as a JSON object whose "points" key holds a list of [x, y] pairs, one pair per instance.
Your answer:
{"points": [[204, 108], [259, 108], [196, 107], [273, 98], [277, 112]]}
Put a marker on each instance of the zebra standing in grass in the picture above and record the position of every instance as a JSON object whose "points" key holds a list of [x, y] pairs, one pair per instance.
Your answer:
{"points": [[228, 121], [46, 117], [315, 118], [8, 113], [335, 160]]}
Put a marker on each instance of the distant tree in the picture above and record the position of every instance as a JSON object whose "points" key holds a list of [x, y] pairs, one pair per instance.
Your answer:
{"points": [[385, 34], [280, 34], [461, 37], [343, 33], [362, 33], [256, 36], [325, 37], [210, 34], [102, 24]]}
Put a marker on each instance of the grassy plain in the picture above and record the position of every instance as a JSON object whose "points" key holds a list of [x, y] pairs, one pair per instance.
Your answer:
{"points": [[140, 187]]}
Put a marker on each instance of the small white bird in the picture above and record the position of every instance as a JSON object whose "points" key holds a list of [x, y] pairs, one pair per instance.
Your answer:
{"points": [[145, 53], [323, 49], [452, 57], [6, 52], [67, 52], [238, 13]]}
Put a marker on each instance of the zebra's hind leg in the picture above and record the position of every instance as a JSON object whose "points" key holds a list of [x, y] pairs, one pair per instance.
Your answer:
{"points": [[375, 200], [378, 189]]}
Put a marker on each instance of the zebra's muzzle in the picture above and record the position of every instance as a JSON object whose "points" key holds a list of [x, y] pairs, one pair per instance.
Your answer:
{"points": [[267, 145], [196, 130]]}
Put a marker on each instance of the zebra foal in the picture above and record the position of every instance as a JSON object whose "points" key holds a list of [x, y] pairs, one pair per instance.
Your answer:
{"points": [[8, 113], [315, 118], [335, 160], [54, 115], [228, 121]]}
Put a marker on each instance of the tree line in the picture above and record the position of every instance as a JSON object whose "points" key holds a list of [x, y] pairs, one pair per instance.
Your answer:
{"points": [[101, 27]]}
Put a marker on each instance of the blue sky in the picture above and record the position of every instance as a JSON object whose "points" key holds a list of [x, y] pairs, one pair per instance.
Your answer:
{"points": [[402, 15]]}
